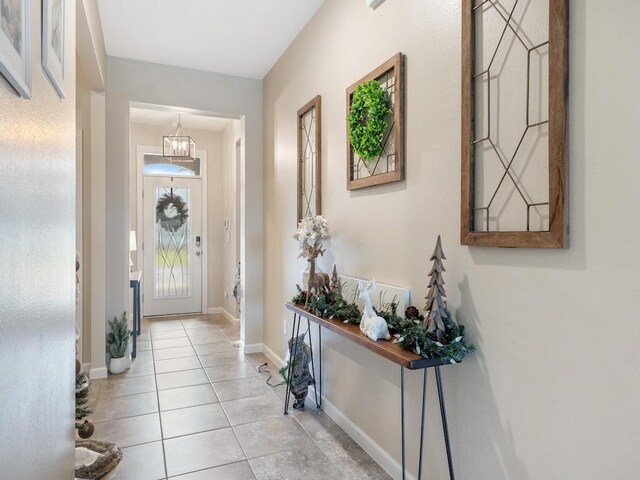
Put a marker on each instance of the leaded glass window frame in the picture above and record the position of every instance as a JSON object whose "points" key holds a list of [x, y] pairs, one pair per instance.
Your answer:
{"points": [[556, 236], [309, 191]]}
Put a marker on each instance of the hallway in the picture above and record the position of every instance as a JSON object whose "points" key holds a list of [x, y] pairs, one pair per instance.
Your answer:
{"points": [[194, 408]]}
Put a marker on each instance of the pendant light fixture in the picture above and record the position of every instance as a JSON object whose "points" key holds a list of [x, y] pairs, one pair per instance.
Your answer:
{"points": [[178, 147]]}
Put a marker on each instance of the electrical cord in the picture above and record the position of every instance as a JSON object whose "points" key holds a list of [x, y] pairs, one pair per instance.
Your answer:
{"points": [[262, 369]]}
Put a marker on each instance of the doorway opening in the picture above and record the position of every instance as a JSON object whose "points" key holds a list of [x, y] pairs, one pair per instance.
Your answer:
{"points": [[184, 215]]}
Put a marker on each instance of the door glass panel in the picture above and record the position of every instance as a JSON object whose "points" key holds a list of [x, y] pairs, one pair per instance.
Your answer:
{"points": [[172, 237], [156, 164]]}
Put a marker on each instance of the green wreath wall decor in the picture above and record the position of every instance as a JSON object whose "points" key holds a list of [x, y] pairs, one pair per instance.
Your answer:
{"points": [[368, 119], [171, 224]]}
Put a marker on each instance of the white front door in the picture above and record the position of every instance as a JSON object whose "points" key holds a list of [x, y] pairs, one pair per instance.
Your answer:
{"points": [[173, 243]]}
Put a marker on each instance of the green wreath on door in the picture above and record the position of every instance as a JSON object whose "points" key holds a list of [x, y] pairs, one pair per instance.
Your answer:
{"points": [[174, 222]]}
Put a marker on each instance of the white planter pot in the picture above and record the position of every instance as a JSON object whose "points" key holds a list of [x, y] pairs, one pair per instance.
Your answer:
{"points": [[118, 365]]}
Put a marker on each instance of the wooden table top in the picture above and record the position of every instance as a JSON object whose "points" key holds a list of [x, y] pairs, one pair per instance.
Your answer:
{"points": [[385, 348]]}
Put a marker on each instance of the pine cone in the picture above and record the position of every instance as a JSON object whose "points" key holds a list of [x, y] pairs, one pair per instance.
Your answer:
{"points": [[411, 313]]}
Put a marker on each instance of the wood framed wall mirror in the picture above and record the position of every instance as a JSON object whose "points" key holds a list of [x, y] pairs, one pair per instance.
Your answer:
{"points": [[514, 103], [310, 159]]}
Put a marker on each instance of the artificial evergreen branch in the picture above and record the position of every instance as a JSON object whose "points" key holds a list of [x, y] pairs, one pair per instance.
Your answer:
{"points": [[82, 396], [118, 337]]}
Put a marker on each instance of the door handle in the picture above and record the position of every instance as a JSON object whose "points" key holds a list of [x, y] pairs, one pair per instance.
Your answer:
{"points": [[198, 253]]}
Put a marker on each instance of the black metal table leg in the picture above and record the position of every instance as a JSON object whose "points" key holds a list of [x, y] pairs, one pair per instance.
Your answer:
{"points": [[445, 427], [404, 465], [138, 306], [313, 367], [320, 363], [292, 354], [424, 404], [135, 284]]}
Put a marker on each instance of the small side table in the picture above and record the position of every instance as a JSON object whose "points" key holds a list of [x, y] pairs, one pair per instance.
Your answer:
{"points": [[134, 282]]}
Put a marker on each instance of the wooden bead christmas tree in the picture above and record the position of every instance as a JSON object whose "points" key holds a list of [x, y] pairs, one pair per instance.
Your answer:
{"points": [[436, 307], [335, 281]]}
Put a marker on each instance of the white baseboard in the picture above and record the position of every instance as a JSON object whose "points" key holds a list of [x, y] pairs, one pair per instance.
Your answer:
{"points": [[85, 368], [252, 348], [222, 311], [375, 451], [97, 373], [271, 355], [235, 321]]}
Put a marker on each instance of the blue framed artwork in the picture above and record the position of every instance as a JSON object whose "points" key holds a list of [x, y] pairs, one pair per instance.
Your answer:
{"points": [[14, 45], [53, 35]]}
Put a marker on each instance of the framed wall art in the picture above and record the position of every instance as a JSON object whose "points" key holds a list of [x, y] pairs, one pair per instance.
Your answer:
{"points": [[375, 126], [310, 159], [514, 115], [14, 45], [53, 36]]}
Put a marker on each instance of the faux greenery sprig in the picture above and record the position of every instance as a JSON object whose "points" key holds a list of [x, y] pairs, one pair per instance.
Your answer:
{"points": [[368, 119], [332, 305], [118, 337], [412, 335]]}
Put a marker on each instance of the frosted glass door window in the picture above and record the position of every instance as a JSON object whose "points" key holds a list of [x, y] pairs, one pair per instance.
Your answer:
{"points": [[156, 164], [173, 245], [172, 272]]}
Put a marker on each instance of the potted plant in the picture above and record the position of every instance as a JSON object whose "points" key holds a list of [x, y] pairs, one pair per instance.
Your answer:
{"points": [[118, 344]]}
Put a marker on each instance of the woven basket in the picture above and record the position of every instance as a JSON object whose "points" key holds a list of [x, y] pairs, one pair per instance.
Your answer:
{"points": [[110, 456]]}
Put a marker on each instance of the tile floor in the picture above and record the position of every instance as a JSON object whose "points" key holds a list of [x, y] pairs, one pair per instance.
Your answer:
{"points": [[193, 407]]}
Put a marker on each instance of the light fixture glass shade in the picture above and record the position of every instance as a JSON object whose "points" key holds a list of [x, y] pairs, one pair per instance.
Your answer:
{"points": [[179, 147]]}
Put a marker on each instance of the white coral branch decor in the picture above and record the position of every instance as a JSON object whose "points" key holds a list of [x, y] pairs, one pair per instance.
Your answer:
{"points": [[311, 232]]}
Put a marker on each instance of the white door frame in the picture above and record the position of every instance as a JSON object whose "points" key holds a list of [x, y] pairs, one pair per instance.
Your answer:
{"points": [[79, 318], [202, 154]]}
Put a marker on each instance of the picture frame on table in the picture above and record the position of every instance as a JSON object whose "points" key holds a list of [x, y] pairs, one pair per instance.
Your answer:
{"points": [[53, 42], [15, 51]]}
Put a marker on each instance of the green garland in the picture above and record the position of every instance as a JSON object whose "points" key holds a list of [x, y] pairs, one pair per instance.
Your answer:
{"points": [[368, 119], [410, 334], [332, 305], [171, 224]]}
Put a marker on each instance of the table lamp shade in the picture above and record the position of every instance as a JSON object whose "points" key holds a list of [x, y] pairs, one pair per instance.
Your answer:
{"points": [[132, 241]]}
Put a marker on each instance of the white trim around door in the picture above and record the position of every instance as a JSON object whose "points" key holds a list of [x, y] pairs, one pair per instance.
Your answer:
{"points": [[202, 154]]}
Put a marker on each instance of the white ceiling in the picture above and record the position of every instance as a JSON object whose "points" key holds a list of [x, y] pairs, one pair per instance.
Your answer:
{"points": [[164, 117], [236, 37]]}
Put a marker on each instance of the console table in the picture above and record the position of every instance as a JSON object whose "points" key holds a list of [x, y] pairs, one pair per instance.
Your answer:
{"points": [[134, 282], [386, 349]]}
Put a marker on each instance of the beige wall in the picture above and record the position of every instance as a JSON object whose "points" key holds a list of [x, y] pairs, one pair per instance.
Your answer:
{"points": [[213, 143], [230, 210], [37, 258], [83, 122], [90, 119], [232, 97], [90, 46], [552, 392]]}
